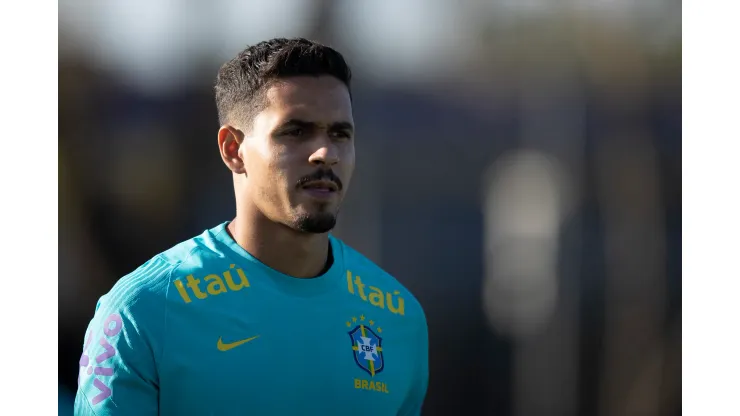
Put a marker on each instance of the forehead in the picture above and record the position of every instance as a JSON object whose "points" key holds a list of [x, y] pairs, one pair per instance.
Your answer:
{"points": [[322, 99]]}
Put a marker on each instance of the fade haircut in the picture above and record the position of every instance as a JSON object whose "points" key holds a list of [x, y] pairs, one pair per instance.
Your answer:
{"points": [[241, 82]]}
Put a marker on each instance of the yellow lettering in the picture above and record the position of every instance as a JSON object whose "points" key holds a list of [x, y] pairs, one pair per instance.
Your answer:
{"points": [[183, 292], [230, 280], [400, 310], [350, 286], [217, 286], [376, 298], [378, 386], [360, 287], [193, 284]]}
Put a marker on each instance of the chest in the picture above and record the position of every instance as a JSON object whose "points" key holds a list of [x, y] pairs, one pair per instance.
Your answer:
{"points": [[279, 355]]}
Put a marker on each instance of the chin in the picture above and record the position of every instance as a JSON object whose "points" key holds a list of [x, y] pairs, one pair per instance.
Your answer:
{"points": [[317, 223]]}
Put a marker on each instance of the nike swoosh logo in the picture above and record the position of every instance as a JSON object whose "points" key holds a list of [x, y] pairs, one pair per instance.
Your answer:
{"points": [[225, 347]]}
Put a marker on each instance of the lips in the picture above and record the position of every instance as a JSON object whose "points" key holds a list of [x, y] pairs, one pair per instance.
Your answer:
{"points": [[321, 186]]}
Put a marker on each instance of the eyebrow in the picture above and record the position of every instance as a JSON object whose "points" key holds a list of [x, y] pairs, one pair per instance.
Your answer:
{"points": [[337, 125]]}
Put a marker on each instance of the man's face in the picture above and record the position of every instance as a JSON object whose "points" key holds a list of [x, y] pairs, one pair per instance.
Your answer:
{"points": [[300, 154]]}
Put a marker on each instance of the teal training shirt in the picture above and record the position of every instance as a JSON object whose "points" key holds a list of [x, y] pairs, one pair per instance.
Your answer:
{"points": [[206, 329]]}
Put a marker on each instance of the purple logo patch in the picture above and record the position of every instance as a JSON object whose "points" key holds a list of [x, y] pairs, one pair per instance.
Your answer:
{"points": [[112, 327]]}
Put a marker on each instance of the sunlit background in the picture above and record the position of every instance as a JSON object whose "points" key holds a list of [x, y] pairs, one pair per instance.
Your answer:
{"points": [[518, 170]]}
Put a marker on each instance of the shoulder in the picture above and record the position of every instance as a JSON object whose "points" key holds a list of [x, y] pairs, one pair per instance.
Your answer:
{"points": [[145, 288], [366, 276]]}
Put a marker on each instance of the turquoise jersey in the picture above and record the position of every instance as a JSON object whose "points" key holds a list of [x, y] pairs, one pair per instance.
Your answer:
{"points": [[206, 329]]}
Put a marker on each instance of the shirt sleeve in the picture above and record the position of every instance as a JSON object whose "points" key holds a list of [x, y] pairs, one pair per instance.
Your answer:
{"points": [[415, 401], [118, 365]]}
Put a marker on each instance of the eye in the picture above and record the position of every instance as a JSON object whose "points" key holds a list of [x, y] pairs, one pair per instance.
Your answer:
{"points": [[341, 134], [296, 132]]}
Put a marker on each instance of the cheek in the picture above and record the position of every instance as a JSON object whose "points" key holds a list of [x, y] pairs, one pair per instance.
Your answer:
{"points": [[349, 161], [279, 168], [270, 181], [261, 163], [284, 162]]}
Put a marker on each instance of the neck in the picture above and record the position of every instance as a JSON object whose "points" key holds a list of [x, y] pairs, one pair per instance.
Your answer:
{"points": [[279, 247]]}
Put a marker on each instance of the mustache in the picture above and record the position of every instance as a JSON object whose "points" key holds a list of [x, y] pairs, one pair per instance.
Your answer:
{"points": [[321, 175]]}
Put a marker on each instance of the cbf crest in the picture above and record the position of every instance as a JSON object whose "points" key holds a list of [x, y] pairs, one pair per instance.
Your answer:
{"points": [[367, 344]]}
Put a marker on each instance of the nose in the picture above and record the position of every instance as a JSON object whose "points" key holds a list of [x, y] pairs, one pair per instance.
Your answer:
{"points": [[327, 154]]}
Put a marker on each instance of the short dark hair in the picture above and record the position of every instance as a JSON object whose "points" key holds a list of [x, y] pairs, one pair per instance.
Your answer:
{"points": [[241, 81]]}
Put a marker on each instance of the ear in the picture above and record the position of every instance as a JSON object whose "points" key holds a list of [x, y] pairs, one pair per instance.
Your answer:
{"points": [[229, 140]]}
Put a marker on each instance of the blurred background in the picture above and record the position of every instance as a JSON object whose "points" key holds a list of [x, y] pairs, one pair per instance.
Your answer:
{"points": [[518, 170]]}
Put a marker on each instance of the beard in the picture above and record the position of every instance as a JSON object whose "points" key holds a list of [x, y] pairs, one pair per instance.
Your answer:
{"points": [[317, 223]]}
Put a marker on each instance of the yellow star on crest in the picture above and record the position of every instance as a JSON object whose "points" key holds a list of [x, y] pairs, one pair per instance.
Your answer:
{"points": [[362, 317], [372, 322], [354, 319]]}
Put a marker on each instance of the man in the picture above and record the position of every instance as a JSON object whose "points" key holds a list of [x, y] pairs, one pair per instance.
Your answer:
{"points": [[267, 314]]}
